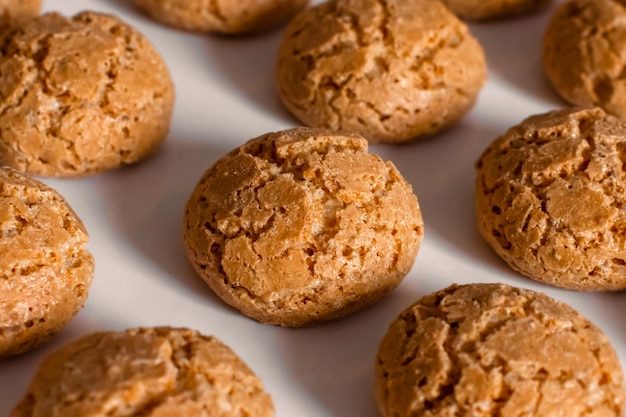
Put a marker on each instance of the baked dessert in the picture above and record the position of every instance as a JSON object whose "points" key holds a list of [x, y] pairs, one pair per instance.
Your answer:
{"points": [[80, 96], [487, 350], [549, 198], [391, 71], [302, 226], [153, 372], [45, 268], [229, 17], [494, 9], [582, 53]]}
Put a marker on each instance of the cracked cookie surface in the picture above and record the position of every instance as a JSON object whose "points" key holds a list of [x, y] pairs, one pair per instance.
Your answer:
{"points": [[301, 226], [583, 56], [494, 9], [80, 95], [551, 201], [391, 70], [151, 372], [45, 268], [232, 17], [488, 350]]}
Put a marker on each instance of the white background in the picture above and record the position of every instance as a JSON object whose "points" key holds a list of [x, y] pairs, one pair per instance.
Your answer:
{"points": [[225, 96]]}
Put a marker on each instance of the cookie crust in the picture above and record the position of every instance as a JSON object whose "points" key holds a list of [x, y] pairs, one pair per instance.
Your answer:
{"points": [[582, 53], [550, 199], [486, 350], [391, 70], [45, 268], [80, 96], [302, 226], [153, 372], [239, 17]]}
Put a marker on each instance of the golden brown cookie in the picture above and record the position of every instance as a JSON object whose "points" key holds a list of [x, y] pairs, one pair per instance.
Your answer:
{"points": [[583, 56], [19, 10], [550, 198], [487, 350], [80, 96], [302, 226], [494, 9], [391, 71], [230, 17], [156, 372], [45, 269]]}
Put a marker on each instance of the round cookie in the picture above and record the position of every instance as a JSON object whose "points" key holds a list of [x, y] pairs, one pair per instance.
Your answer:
{"points": [[18, 11], [494, 9], [302, 226], [486, 350], [153, 372], [81, 95], [549, 194], [582, 53], [231, 17], [391, 71], [45, 269]]}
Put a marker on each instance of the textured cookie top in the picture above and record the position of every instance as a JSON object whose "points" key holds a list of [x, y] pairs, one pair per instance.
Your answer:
{"points": [[487, 350], [80, 95], [550, 198], [493, 9], [583, 53], [154, 372], [45, 269], [389, 70], [222, 16], [301, 226]]}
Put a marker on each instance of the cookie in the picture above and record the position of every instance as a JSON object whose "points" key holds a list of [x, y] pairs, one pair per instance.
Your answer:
{"points": [[391, 71], [486, 350], [158, 372], [302, 226], [80, 96], [229, 17], [549, 194], [19, 11], [494, 9], [45, 268], [582, 53]]}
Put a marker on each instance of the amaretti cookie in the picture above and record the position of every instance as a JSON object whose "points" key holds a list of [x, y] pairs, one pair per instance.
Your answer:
{"points": [[80, 96], [302, 226], [45, 268], [550, 198], [231, 17], [583, 55], [153, 372], [18, 11], [494, 9], [391, 71], [487, 350]]}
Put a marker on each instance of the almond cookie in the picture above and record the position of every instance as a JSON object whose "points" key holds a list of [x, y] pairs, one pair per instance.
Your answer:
{"points": [[494, 9], [231, 17], [550, 199], [583, 53], [80, 95], [45, 269], [391, 71], [302, 226], [154, 372], [487, 350]]}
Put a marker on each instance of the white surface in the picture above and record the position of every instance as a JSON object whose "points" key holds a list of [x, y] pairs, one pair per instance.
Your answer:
{"points": [[225, 95]]}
